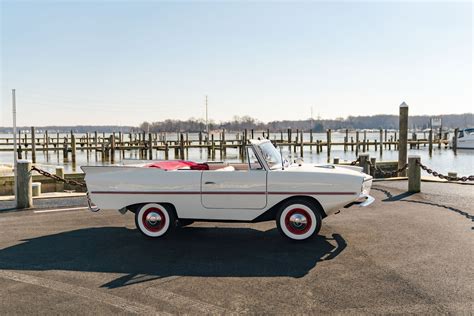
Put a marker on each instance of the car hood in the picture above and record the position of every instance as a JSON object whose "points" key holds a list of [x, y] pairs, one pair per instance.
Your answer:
{"points": [[325, 168]]}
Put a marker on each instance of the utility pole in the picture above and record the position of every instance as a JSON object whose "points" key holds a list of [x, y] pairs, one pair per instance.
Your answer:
{"points": [[207, 119], [312, 123], [14, 128], [15, 158]]}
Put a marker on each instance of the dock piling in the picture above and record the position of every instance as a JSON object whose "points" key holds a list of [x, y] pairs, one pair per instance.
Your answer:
{"points": [[24, 192], [414, 174], [33, 145], [403, 140]]}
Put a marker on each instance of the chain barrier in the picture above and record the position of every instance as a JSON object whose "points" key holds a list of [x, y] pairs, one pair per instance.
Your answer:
{"points": [[355, 162], [55, 177], [428, 170], [442, 176], [388, 173]]}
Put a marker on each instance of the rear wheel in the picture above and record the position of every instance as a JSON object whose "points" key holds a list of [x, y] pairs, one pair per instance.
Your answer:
{"points": [[155, 220], [299, 219]]}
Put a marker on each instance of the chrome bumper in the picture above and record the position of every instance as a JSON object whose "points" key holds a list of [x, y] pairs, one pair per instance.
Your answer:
{"points": [[364, 200], [92, 207]]}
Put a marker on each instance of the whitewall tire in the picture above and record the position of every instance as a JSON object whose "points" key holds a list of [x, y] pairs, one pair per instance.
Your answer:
{"points": [[298, 219], [155, 220]]}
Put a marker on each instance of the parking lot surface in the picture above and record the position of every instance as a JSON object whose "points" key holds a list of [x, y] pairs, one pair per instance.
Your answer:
{"points": [[403, 254]]}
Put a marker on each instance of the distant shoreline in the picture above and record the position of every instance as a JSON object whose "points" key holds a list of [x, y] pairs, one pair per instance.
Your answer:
{"points": [[419, 122]]}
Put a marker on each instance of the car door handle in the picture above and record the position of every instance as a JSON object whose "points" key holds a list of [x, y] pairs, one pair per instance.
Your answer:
{"points": [[209, 182]]}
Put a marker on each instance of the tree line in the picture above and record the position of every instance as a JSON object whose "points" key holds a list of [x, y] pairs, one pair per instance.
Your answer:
{"points": [[238, 123], [351, 122]]}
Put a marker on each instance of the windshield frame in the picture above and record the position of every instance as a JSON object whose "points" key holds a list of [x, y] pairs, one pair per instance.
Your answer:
{"points": [[276, 154]]}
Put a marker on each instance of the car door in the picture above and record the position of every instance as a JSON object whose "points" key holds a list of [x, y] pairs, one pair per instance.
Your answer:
{"points": [[238, 189]]}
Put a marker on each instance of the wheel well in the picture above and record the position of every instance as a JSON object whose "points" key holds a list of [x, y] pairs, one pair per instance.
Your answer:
{"points": [[271, 213], [135, 207]]}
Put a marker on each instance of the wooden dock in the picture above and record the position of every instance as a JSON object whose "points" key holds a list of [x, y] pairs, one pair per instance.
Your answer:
{"points": [[109, 146]]}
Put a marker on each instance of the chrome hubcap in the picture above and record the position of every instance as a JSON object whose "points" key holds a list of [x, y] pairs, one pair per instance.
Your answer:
{"points": [[153, 218], [298, 221]]}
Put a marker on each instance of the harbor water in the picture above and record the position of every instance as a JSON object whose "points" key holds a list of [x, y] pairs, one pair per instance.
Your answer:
{"points": [[443, 159]]}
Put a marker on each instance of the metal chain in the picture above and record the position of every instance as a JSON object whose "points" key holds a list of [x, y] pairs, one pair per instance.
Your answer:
{"points": [[385, 173], [355, 162], [55, 177], [442, 176]]}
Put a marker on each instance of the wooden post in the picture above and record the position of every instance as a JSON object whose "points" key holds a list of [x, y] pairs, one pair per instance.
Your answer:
{"points": [[395, 140], [73, 147], [96, 141], [301, 144], [296, 140], [328, 138], [251, 133], [402, 142], [24, 194], [46, 141], [430, 145], [166, 151], [381, 142], [289, 140], [336, 160], [224, 149], [455, 140], [87, 143], [346, 139], [200, 138], [414, 174], [364, 146], [65, 149], [112, 148], [150, 146], [363, 159], [33, 145], [59, 184], [357, 143], [352, 143], [440, 135], [373, 161], [213, 148], [181, 145], [187, 144], [385, 138]]}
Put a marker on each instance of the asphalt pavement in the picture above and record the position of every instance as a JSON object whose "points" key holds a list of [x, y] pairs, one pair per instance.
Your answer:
{"points": [[406, 253]]}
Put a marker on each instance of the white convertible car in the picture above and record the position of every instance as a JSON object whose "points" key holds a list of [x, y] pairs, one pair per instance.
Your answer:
{"points": [[165, 194]]}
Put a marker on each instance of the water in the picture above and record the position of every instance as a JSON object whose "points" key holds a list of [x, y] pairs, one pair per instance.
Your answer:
{"points": [[443, 160]]}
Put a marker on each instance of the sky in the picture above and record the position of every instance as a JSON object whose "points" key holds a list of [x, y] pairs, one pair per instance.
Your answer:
{"points": [[107, 63]]}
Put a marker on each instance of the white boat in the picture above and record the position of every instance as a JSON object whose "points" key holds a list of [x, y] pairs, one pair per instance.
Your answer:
{"points": [[164, 194], [465, 139]]}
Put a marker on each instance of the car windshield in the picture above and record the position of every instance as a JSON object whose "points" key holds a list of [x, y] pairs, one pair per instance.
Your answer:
{"points": [[271, 155]]}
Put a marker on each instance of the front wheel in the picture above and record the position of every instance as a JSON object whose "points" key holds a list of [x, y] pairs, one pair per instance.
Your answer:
{"points": [[298, 219], [155, 220]]}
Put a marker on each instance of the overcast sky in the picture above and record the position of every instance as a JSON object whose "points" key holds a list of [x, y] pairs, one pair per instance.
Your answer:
{"points": [[100, 62]]}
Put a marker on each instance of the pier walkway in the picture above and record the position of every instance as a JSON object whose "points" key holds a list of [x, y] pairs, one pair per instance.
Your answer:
{"points": [[406, 253]]}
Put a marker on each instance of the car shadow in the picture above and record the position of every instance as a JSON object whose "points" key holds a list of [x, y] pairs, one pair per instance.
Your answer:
{"points": [[192, 251], [401, 197]]}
